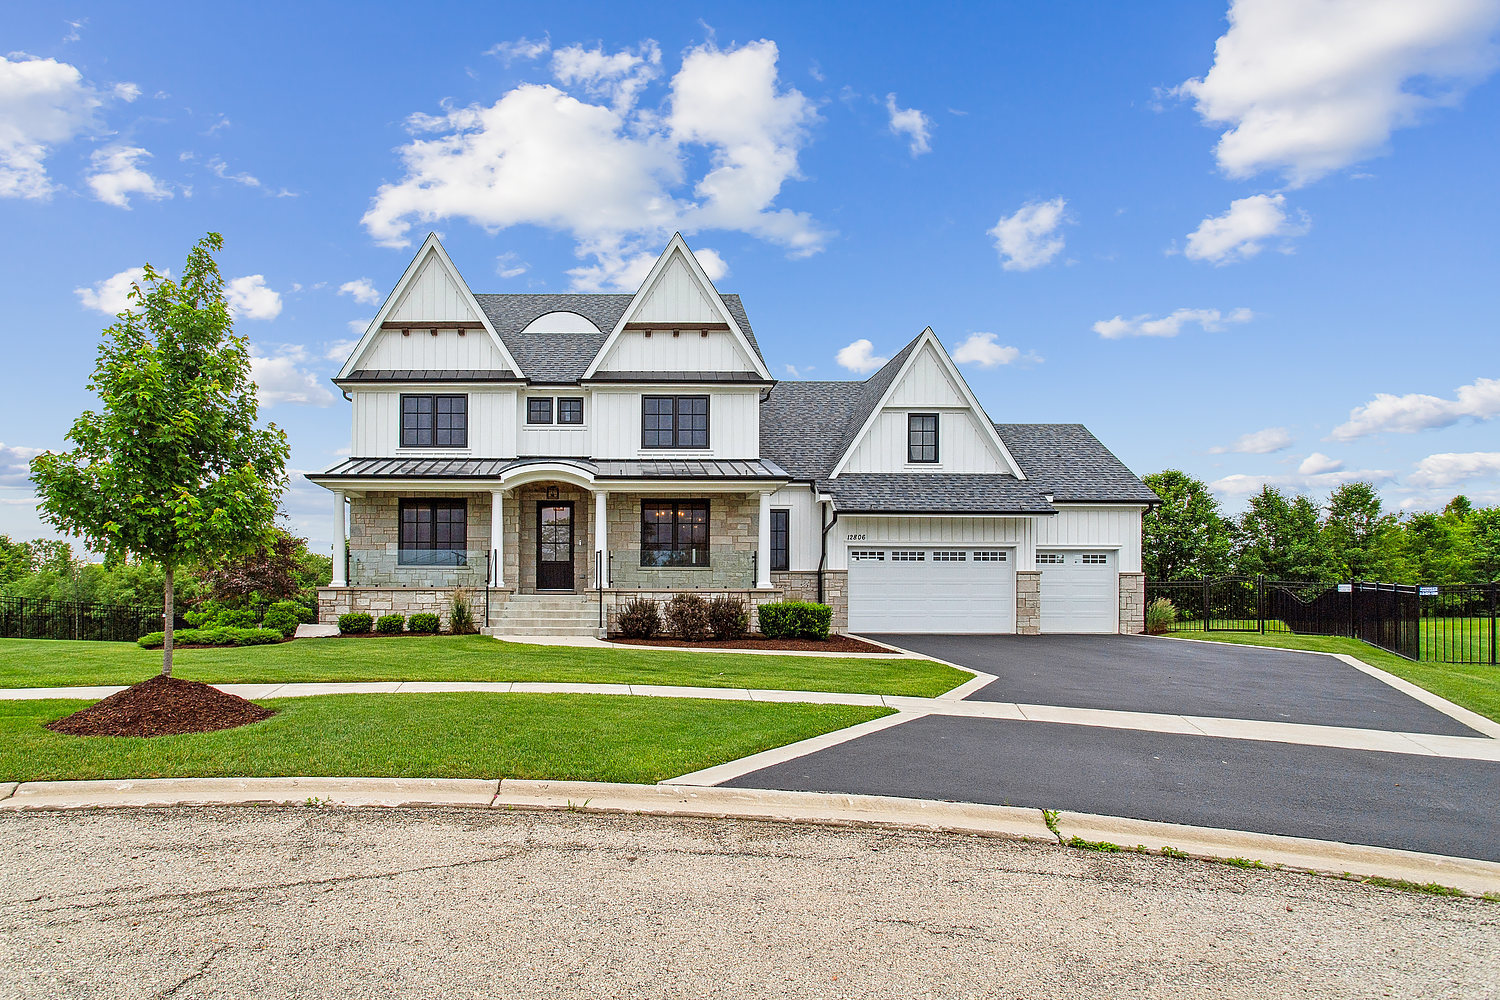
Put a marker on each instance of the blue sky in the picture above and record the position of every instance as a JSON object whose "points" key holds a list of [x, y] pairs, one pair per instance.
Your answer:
{"points": [[1255, 243]]}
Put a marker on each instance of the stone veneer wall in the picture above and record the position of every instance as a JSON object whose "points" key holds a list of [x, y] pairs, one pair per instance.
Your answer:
{"points": [[1132, 603], [408, 601], [1028, 602], [799, 585], [374, 537], [732, 540]]}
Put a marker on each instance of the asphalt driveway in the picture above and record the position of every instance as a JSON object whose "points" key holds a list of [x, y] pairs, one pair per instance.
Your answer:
{"points": [[1144, 674]]}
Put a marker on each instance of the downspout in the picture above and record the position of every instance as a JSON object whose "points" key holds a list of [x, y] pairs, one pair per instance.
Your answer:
{"points": [[823, 553]]}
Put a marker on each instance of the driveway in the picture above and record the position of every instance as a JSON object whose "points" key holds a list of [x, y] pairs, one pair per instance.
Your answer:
{"points": [[1218, 680]]}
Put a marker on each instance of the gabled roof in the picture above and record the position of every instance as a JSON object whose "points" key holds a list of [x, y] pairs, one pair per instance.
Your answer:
{"points": [[1073, 465]]}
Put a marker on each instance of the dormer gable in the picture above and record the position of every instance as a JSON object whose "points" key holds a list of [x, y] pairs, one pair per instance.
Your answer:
{"points": [[926, 382], [430, 322], [677, 322]]}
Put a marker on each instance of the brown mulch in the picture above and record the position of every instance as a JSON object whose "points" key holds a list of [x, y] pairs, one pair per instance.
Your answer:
{"points": [[162, 706], [832, 644]]}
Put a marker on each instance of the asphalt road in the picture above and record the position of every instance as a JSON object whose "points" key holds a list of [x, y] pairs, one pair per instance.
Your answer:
{"points": [[1405, 801], [271, 903], [1144, 674]]}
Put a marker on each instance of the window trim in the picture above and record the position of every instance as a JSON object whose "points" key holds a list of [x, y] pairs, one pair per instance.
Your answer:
{"points": [[936, 440], [676, 429], [677, 505], [434, 397], [557, 411], [781, 557], [551, 411], [433, 504]]}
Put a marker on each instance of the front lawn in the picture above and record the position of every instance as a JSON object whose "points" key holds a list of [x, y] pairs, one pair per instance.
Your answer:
{"points": [[561, 737], [1474, 686], [60, 663]]}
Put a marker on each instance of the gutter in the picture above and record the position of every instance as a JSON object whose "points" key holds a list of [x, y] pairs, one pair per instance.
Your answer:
{"points": [[823, 553]]}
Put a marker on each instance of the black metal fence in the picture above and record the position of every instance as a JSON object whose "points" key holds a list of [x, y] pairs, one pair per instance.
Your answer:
{"points": [[37, 618], [1450, 624]]}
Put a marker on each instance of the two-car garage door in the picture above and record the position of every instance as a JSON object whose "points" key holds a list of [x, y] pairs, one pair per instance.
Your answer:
{"points": [[932, 590]]}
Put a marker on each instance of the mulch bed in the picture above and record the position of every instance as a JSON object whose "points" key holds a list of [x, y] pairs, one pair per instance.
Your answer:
{"points": [[162, 706], [832, 644]]}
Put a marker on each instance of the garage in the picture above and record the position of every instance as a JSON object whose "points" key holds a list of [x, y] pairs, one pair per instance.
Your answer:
{"points": [[1079, 590], [932, 590]]}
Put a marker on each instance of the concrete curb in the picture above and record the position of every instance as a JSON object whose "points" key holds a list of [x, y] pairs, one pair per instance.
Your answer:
{"points": [[251, 792]]}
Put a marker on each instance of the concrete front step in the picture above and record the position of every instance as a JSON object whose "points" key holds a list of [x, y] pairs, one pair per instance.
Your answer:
{"points": [[531, 621], [590, 631]]}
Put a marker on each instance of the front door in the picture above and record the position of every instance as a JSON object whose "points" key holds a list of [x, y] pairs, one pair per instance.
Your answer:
{"points": [[554, 545]]}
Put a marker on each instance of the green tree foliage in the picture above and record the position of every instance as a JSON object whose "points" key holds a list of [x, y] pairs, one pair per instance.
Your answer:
{"points": [[1280, 537], [1363, 540], [172, 468], [1185, 538]]}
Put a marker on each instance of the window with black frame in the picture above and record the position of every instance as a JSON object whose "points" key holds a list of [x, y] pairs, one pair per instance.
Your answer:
{"points": [[433, 533], [674, 421], [434, 420], [570, 409], [781, 548], [539, 410], [674, 533], [921, 437]]}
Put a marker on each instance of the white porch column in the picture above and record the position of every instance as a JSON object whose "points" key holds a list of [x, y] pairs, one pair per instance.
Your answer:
{"points": [[497, 538], [340, 559], [763, 544], [601, 535]]}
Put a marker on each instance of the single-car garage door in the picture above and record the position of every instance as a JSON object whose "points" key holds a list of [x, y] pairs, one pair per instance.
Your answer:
{"points": [[1079, 591], [932, 590]]}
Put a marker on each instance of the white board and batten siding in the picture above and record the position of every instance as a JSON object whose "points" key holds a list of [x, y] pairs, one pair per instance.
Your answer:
{"points": [[432, 295], [561, 440], [926, 383], [420, 350], [804, 526], [686, 351], [377, 422], [676, 297], [1116, 529], [962, 446], [733, 423]]}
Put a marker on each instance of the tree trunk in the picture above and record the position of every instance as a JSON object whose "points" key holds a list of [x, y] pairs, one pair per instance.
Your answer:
{"points": [[169, 616]]}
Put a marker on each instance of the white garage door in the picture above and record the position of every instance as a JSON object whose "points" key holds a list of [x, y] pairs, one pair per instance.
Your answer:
{"points": [[932, 590], [1078, 591]]}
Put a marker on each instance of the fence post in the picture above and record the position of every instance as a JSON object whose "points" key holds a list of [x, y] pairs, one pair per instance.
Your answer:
{"points": [[1494, 620], [1206, 627], [1260, 600], [1353, 616]]}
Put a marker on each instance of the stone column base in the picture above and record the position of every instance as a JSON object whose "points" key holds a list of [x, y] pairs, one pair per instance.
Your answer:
{"points": [[1132, 603], [1028, 602]]}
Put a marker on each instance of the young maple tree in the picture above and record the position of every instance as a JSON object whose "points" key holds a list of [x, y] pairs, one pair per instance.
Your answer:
{"points": [[172, 468]]}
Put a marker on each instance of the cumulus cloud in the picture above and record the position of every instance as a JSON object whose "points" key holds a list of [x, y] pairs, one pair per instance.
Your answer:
{"points": [[1448, 468], [1262, 442], [982, 349], [510, 265], [520, 48], [860, 357], [1388, 413], [362, 290], [339, 350], [1242, 231], [1307, 87], [617, 178], [1208, 320], [1029, 238], [15, 464], [116, 174], [1318, 463], [916, 126], [281, 376], [630, 272], [1244, 485], [43, 103], [250, 298], [110, 296]]}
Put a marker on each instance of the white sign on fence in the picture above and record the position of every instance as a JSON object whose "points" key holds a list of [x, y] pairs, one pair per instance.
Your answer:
{"points": [[1345, 588], [1427, 591]]}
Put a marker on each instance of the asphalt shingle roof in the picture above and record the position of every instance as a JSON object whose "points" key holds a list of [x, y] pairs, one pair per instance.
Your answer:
{"points": [[936, 492], [1072, 464]]}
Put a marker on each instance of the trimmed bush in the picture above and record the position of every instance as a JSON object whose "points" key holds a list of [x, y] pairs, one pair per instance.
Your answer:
{"points": [[728, 618], [639, 619], [461, 613], [795, 620], [390, 624], [355, 623], [212, 614], [687, 616], [212, 637], [1161, 616], [423, 624], [284, 617]]}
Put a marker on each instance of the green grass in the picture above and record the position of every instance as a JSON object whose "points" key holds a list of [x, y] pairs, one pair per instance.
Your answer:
{"points": [[58, 663], [560, 737], [1474, 686], [1456, 639]]}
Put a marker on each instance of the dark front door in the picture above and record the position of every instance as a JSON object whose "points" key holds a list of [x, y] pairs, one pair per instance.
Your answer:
{"points": [[554, 545]]}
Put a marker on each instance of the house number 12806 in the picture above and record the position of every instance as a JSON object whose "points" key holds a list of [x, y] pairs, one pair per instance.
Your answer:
{"points": [[854, 538]]}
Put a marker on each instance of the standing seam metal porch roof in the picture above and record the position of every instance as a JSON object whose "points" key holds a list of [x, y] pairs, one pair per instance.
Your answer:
{"points": [[494, 468]]}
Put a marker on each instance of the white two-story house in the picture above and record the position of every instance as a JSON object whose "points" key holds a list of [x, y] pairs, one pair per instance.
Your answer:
{"points": [[559, 454]]}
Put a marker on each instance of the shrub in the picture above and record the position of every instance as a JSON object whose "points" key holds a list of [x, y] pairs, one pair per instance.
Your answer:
{"points": [[728, 618], [390, 624], [355, 623], [284, 617], [639, 619], [1161, 616], [212, 614], [460, 613], [219, 636], [795, 620], [423, 624], [687, 616]]}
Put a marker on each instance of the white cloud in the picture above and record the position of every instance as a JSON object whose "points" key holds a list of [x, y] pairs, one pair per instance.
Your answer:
{"points": [[802, 372], [617, 178], [1448, 468], [339, 350], [1310, 87], [43, 103], [916, 126], [1209, 320], [1387, 413], [15, 464], [521, 48], [110, 295], [618, 77], [982, 350], [251, 298], [860, 357], [362, 290], [117, 174], [221, 170], [1318, 463], [126, 92], [1262, 442], [1241, 232], [1029, 238], [628, 273], [281, 378], [358, 328], [510, 265], [1244, 485]]}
